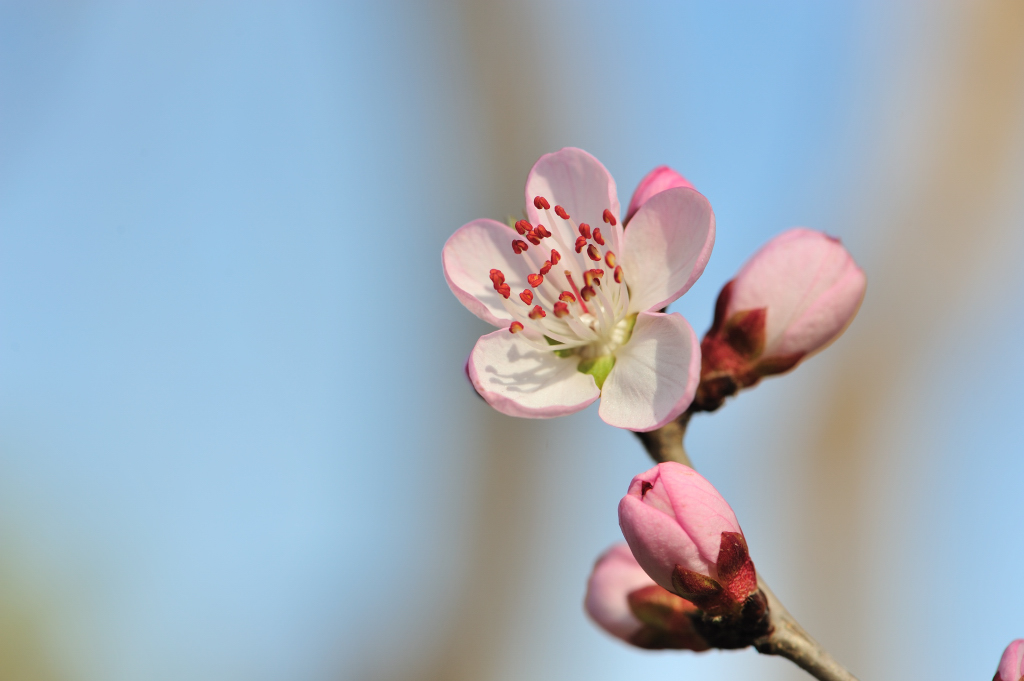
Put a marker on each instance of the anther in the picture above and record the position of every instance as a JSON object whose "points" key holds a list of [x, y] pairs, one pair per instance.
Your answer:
{"points": [[560, 212], [581, 241], [592, 277], [526, 296], [522, 226], [515, 327], [561, 310], [532, 237], [597, 236], [535, 280], [497, 277], [537, 312], [594, 254], [555, 256], [584, 230], [505, 290], [546, 268], [618, 274], [609, 218], [539, 202], [587, 292], [609, 258], [541, 231], [518, 246], [567, 297]]}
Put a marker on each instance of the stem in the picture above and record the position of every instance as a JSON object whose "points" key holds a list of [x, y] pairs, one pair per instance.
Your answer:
{"points": [[666, 443], [789, 640], [786, 638]]}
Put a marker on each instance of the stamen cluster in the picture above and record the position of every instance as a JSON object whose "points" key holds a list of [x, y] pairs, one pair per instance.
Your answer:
{"points": [[575, 323]]}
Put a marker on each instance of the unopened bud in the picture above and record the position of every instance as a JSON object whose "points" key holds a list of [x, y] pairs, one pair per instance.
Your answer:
{"points": [[791, 300], [1011, 666], [686, 537], [624, 601], [655, 182]]}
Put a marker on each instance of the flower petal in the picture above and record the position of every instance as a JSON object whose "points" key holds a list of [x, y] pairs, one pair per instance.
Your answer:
{"points": [[519, 380], [655, 182], [468, 257], [655, 375], [578, 182], [666, 247], [657, 541]]}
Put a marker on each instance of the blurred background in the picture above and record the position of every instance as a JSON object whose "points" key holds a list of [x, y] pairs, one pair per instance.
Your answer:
{"points": [[236, 441]]}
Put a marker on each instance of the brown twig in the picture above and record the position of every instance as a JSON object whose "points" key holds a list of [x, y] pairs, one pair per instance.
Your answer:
{"points": [[785, 638]]}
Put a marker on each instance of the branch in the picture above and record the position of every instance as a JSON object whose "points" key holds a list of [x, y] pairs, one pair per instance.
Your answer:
{"points": [[786, 638]]}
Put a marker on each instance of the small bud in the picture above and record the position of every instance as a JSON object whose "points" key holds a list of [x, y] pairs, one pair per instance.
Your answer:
{"points": [[1011, 666], [655, 182], [626, 603], [791, 300], [686, 537]]}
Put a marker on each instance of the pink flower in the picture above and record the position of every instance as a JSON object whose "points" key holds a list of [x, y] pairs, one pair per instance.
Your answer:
{"points": [[655, 182], [791, 300], [627, 604], [1011, 666], [686, 537], [577, 298]]}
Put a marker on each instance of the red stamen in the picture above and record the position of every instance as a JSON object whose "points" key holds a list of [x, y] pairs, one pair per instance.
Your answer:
{"points": [[597, 236], [555, 256], [518, 246], [504, 290], [609, 258], [609, 218], [537, 312], [594, 254], [546, 268], [572, 284], [539, 202], [535, 280], [592, 276], [567, 297], [497, 277], [560, 212], [522, 226], [526, 296], [584, 230], [532, 237], [541, 231], [515, 327], [588, 292], [580, 243], [561, 310], [618, 274]]}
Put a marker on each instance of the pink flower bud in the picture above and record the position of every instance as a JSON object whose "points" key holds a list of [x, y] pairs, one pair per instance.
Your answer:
{"points": [[658, 180], [1011, 666], [626, 603], [686, 537], [791, 300]]}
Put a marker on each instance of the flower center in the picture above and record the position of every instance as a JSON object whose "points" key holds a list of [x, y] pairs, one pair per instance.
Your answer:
{"points": [[577, 298]]}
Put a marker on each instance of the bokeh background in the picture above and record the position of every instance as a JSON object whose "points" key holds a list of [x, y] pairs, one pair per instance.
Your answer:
{"points": [[235, 437]]}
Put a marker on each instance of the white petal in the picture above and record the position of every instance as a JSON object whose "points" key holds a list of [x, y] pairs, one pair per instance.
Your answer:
{"points": [[578, 182], [468, 257], [666, 246], [519, 380], [655, 374]]}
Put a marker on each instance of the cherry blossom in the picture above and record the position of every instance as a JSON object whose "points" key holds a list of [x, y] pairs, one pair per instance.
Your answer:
{"points": [[577, 298]]}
